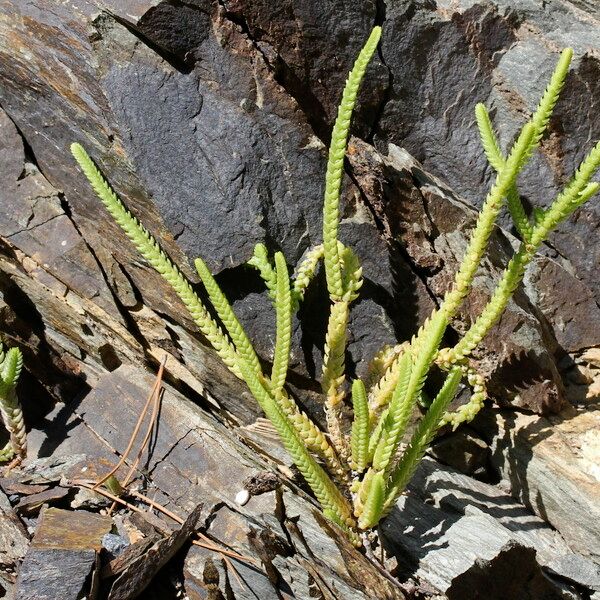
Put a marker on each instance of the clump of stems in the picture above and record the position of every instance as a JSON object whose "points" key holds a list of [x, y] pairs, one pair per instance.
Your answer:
{"points": [[357, 472]]}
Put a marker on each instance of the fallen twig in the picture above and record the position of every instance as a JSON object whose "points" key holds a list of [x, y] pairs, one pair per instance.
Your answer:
{"points": [[136, 429]]}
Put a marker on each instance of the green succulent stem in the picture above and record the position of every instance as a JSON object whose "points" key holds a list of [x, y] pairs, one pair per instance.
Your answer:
{"points": [[333, 373], [335, 166], [11, 364], [233, 327], [328, 495], [498, 162], [359, 439], [395, 420], [305, 273], [421, 438], [373, 506], [486, 220], [260, 261], [314, 439], [576, 192], [283, 309]]}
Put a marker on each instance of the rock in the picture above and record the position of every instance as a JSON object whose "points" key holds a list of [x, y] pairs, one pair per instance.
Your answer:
{"points": [[566, 302], [62, 559], [114, 544], [207, 577], [462, 451], [13, 541], [138, 574], [457, 533], [495, 578], [48, 572], [70, 530], [195, 459], [551, 465], [242, 497], [446, 56], [310, 58], [261, 483], [33, 503], [592, 356], [580, 571], [34, 220], [79, 331]]}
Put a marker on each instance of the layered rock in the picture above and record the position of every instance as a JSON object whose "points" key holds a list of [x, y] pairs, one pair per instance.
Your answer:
{"points": [[211, 119]]}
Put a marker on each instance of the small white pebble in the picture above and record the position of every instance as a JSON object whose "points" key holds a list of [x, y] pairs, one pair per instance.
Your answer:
{"points": [[242, 497]]}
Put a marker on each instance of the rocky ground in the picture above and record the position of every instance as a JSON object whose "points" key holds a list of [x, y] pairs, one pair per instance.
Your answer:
{"points": [[212, 120]]}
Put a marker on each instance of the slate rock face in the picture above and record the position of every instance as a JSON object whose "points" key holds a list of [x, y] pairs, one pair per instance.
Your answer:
{"points": [[236, 165], [309, 46], [211, 120], [444, 57]]}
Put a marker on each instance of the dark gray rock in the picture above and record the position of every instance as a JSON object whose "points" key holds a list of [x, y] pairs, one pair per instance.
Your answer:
{"points": [[236, 165], [566, 302], [62, 560], [462, 451], [310, 46], [445, 56], [469, 539], [114, 544], [13, 541], [50, 573]]}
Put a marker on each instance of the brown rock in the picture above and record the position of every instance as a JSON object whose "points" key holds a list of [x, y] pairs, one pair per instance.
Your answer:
{"points": [[70, 530], [433, 226], [13, 540], [462, 451], [138, 574], [62, 559]]}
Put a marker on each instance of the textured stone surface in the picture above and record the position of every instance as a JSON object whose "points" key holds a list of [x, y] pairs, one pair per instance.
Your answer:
{"points": [[211, 119], [463, 451], [552, 467], [444, 525], [13, 541], [446, 56], [442, 58], [63, 556], [48, 572], [195, 459], [469, 539], [139, 573]]}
